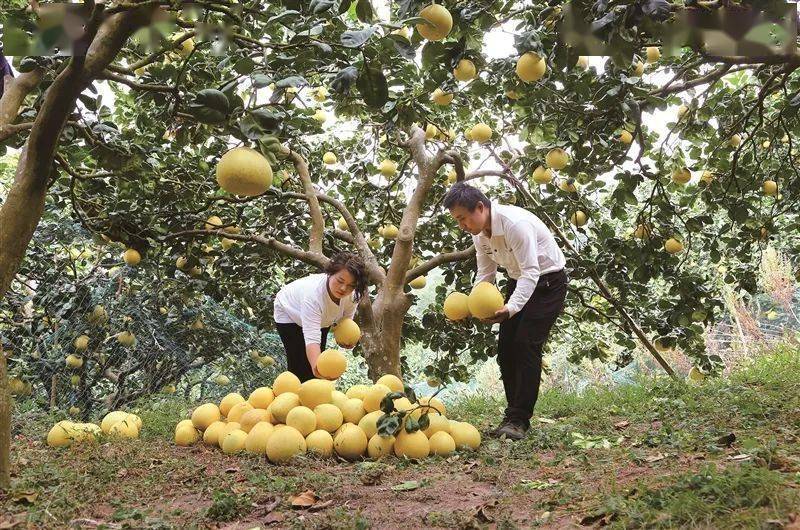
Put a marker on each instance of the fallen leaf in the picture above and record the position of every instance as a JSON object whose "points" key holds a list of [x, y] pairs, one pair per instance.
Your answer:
{"points": [[24, 497], [622, 424], [655, 458], [739, 458], [545, 420], [320, 506], [304, 500], [408, 485], [232, 470], [122, 473], [274, 517]]}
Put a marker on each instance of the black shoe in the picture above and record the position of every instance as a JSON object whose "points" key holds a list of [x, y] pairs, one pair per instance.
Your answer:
{"points": [[513, 431], [496, 430]]}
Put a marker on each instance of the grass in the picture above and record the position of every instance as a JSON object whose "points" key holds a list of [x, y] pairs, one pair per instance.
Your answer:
{"points": [[721, 454]]}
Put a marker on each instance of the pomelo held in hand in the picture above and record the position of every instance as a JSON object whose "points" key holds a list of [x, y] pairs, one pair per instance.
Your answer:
{"points": [[484, 300]]}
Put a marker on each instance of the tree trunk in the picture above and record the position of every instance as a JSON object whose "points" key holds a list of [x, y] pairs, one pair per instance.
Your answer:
{"points": [[382, 329], [5, 426]]}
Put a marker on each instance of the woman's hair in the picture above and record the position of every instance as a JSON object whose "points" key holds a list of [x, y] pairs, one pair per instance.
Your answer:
{"points": [[354, 265]]}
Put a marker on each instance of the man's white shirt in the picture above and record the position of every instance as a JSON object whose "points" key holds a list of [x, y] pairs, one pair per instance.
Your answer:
{"points": [[306, 302], [523, 245]]}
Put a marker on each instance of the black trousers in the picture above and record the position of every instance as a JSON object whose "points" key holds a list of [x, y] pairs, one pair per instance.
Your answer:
{"points": [[522, 338], [295, 345]]}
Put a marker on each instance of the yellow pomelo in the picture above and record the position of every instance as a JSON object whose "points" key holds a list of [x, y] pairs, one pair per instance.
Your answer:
{"points": [[282, 405], [438, 22], [228, 402], [186, 435], [86, 432], [229, 427], [213, 223], [285, 443], [481, 133], [402, 404], [681, 176], [212, 432], [73, 361], [350, 442], [251, 418], [369, 423], [256, 441], [303, 419], [465, 70], [412, 445], [81, 343], [387, 167], [579, 218], [735, 140], [234, 442], [331, 364], [625, 137], [205, 415], [338, 398], [353, 410], [432, 405], [556, 158], [378, 446], [418, 283], [695, 374], [320, 442], [286, 382], [357, 391], [341, 224], [315, 392], [484, 300], [347, 333], [638, 68], [238, 410], [329, 417], [261, 397], [465, 435], [673, 246], [531, 67], [131, 257], [227, 243], [60, 434], [124, 429], [136, 419], [456, 306], [442, 444], [390, 231], [541, 175], [583, 62], [244, 171], [770, 187], [441, 98], [394, 383], [372, 400], [329, 158], [653, 54], [111, 418], [438, 423]]}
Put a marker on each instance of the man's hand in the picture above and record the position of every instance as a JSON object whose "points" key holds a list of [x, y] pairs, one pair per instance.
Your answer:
{"points": [[316, 373], [499, 316]]}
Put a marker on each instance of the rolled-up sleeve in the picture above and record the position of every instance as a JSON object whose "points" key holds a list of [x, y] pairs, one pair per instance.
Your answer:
{"points": [[521, 237], [311, 315]]}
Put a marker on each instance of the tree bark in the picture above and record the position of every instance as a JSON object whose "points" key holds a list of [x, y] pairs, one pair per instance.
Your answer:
{"points": [[5, 426], [382, 328]]}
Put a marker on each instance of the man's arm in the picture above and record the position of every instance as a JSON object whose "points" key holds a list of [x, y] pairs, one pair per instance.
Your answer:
{"points": [[521, 237], [487, 268]]}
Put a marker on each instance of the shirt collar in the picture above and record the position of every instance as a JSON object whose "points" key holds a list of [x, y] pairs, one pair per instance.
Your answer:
{"points": [[497, 224]]}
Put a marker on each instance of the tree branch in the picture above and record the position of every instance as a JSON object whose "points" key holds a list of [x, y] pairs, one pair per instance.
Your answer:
{"points": [[111, 76], [317, 221], [441, 259], [14, 91], [7, 131]]}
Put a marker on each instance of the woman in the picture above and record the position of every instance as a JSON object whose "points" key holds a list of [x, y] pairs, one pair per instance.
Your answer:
{"points": [[306, 308]]}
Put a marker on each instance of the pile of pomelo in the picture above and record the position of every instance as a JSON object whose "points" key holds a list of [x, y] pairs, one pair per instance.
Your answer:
{"points": [[292, 418], [116, 424]]}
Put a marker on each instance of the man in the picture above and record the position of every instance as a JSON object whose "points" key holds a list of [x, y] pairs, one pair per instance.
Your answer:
{"points": [[518, 241]]}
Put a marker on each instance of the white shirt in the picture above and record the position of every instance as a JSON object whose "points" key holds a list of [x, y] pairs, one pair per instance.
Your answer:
{"points": [[306, 302], [523, 245]]}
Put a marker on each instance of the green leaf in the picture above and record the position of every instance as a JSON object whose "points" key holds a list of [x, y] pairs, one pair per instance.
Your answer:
{"points": [[387, 404], [364, 11], [408, 485], [373, 87], [357, 38], [388, 425]]}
